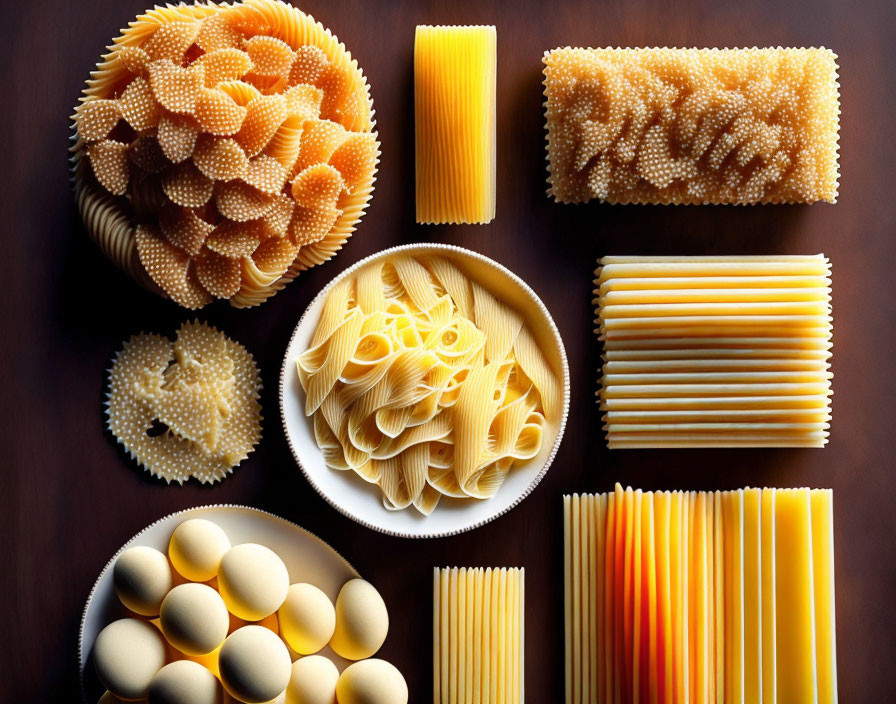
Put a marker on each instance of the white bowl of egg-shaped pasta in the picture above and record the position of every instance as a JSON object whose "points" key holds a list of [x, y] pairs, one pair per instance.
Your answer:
{"points": [[362, 498]]}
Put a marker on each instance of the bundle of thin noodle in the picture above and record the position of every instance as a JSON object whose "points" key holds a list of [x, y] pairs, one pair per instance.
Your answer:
{"points": [[422, 382]]}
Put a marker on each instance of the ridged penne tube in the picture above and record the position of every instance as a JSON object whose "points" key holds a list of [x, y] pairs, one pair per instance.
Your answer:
{"points": [[454, 97], [412, 394], [715, 351], [692, 126], [699, 596], [479, 635]]}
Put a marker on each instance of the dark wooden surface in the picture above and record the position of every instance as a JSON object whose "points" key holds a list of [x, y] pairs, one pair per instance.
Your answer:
{"points": [[70, 498]]}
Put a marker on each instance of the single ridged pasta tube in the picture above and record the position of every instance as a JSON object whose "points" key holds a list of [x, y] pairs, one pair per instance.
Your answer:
{"points": [[692, 126], [454, 96]]}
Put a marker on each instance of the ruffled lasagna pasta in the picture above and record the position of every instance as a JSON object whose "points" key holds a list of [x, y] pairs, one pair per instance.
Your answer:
{"points": [[422, 382]]}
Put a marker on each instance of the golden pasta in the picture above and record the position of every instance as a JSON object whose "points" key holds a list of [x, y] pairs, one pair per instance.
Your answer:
{"points": [[454, 97], [421, 381], [700, 596], [692, 126], [203, 109], [715, 351], [479, 635], [187, 408]]}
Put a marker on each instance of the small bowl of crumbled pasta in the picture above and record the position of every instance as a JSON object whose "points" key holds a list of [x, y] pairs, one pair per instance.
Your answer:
{"points": [[425, 391]]}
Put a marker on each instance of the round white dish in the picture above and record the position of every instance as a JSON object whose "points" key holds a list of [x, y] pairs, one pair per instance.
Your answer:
{"points": [[307, 557], [362, 502]]}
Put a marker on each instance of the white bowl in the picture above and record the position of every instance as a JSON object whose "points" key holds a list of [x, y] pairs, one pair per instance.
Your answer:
{"points": [[307, 558], [361, 501]]}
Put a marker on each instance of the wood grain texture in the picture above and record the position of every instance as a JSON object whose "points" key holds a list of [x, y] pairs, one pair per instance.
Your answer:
{"points": [[70, 498]]}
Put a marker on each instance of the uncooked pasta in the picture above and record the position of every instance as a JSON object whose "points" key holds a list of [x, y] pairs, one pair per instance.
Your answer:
{"points": [[700, 596], [421, 381], [692, 126], [220, 149], [715, 351]]}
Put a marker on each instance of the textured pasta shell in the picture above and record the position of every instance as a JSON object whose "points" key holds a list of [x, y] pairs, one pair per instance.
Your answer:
{"points": [[95, 119], [238, 201], [168, 267], [318, 186], [320, 139], [219, 114], [175, 87], [220, 159], [216, 33], [235, 240], [270, 56], [171, 41], [266, 174], [225, 65], [265, 115], [147, 154], [109, 160], [309, 65], [177, 137], [184, 229], [186, 185], [274, 256], [221, 276], [354, 159], [134, 59], [138, 106]]}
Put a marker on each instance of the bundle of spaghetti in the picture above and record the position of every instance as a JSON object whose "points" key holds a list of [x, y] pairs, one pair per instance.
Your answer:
{"points": [[478, 635], [692, 126], [700, 597], [715, 351], [220, 149], [421, 381], [454, 94]]}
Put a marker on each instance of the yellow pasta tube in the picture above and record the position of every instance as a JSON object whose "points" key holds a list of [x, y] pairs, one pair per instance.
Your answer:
{"points": [[455, 119]]}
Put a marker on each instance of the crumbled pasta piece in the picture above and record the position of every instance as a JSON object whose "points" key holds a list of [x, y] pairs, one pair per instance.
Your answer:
{"points": [[454, 112], [692, 126], [134, 59], [310, 225], [409, 355], [197, 117], [320, 138], [188, 408]]}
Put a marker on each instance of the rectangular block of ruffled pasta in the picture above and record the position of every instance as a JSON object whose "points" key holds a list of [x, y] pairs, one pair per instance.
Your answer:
{"points": [[692, 126]]}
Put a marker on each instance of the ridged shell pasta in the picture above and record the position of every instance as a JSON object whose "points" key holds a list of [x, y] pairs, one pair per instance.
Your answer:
{"points": [[196, 121], [421, 381]]}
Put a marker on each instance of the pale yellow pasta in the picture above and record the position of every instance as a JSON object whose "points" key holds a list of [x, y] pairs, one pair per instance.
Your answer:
{"points": [[478, 635], [423, 382], [715, 351]]}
